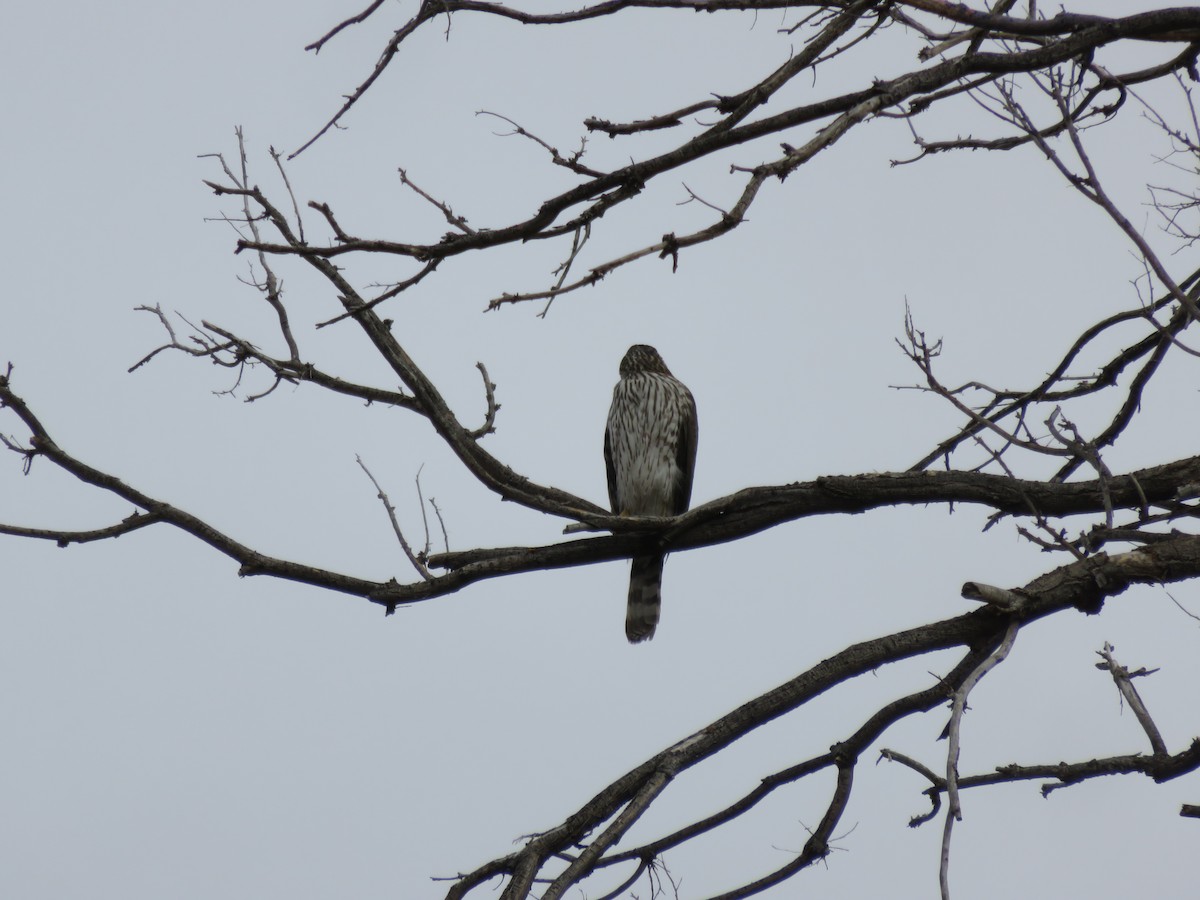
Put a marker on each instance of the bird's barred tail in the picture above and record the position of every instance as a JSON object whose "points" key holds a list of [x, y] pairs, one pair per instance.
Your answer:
{"points": [[645, 599]]}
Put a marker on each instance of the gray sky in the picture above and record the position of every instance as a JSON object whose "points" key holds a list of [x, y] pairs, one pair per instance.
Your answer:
{"points": [[175, 731]]}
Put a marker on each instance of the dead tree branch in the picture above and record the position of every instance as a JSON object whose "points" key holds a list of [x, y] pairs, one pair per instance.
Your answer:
{"points": [[1083, 586]]}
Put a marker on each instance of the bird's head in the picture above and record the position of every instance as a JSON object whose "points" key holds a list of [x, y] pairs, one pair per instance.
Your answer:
{"points": [[642, 358]]}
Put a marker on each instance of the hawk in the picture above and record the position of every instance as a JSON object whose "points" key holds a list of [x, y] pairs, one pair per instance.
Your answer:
{"points": [[650, 452]]}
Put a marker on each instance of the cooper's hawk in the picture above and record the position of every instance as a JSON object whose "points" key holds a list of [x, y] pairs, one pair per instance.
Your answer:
{"points": [[650, 451]]}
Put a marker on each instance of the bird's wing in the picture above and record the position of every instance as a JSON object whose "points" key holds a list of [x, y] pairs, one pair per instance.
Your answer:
{"points": [[612, 472], [685, 454]]}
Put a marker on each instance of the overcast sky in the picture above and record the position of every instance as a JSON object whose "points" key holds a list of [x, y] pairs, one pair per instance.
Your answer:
{"points": [[171, 730]]}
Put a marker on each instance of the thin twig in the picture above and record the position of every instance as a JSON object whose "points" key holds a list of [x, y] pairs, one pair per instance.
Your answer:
{"points": [[413, 558], [1123, 679], [958, 706]]}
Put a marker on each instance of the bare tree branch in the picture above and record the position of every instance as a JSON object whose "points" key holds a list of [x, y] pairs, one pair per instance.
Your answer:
{"points": [[1035, 82], [1083, 585], [1123, 679]]}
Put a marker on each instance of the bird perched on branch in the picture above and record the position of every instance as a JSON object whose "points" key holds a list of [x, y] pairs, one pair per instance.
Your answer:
{"points": [[650, 452]]}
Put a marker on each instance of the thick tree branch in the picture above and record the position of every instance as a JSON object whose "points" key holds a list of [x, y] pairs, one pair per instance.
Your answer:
{"points": [[1079, 36], [736, 516], [1083, 585]]}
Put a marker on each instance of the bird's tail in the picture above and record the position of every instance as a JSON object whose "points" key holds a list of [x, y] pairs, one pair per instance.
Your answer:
{"points": [[645, 599]]}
